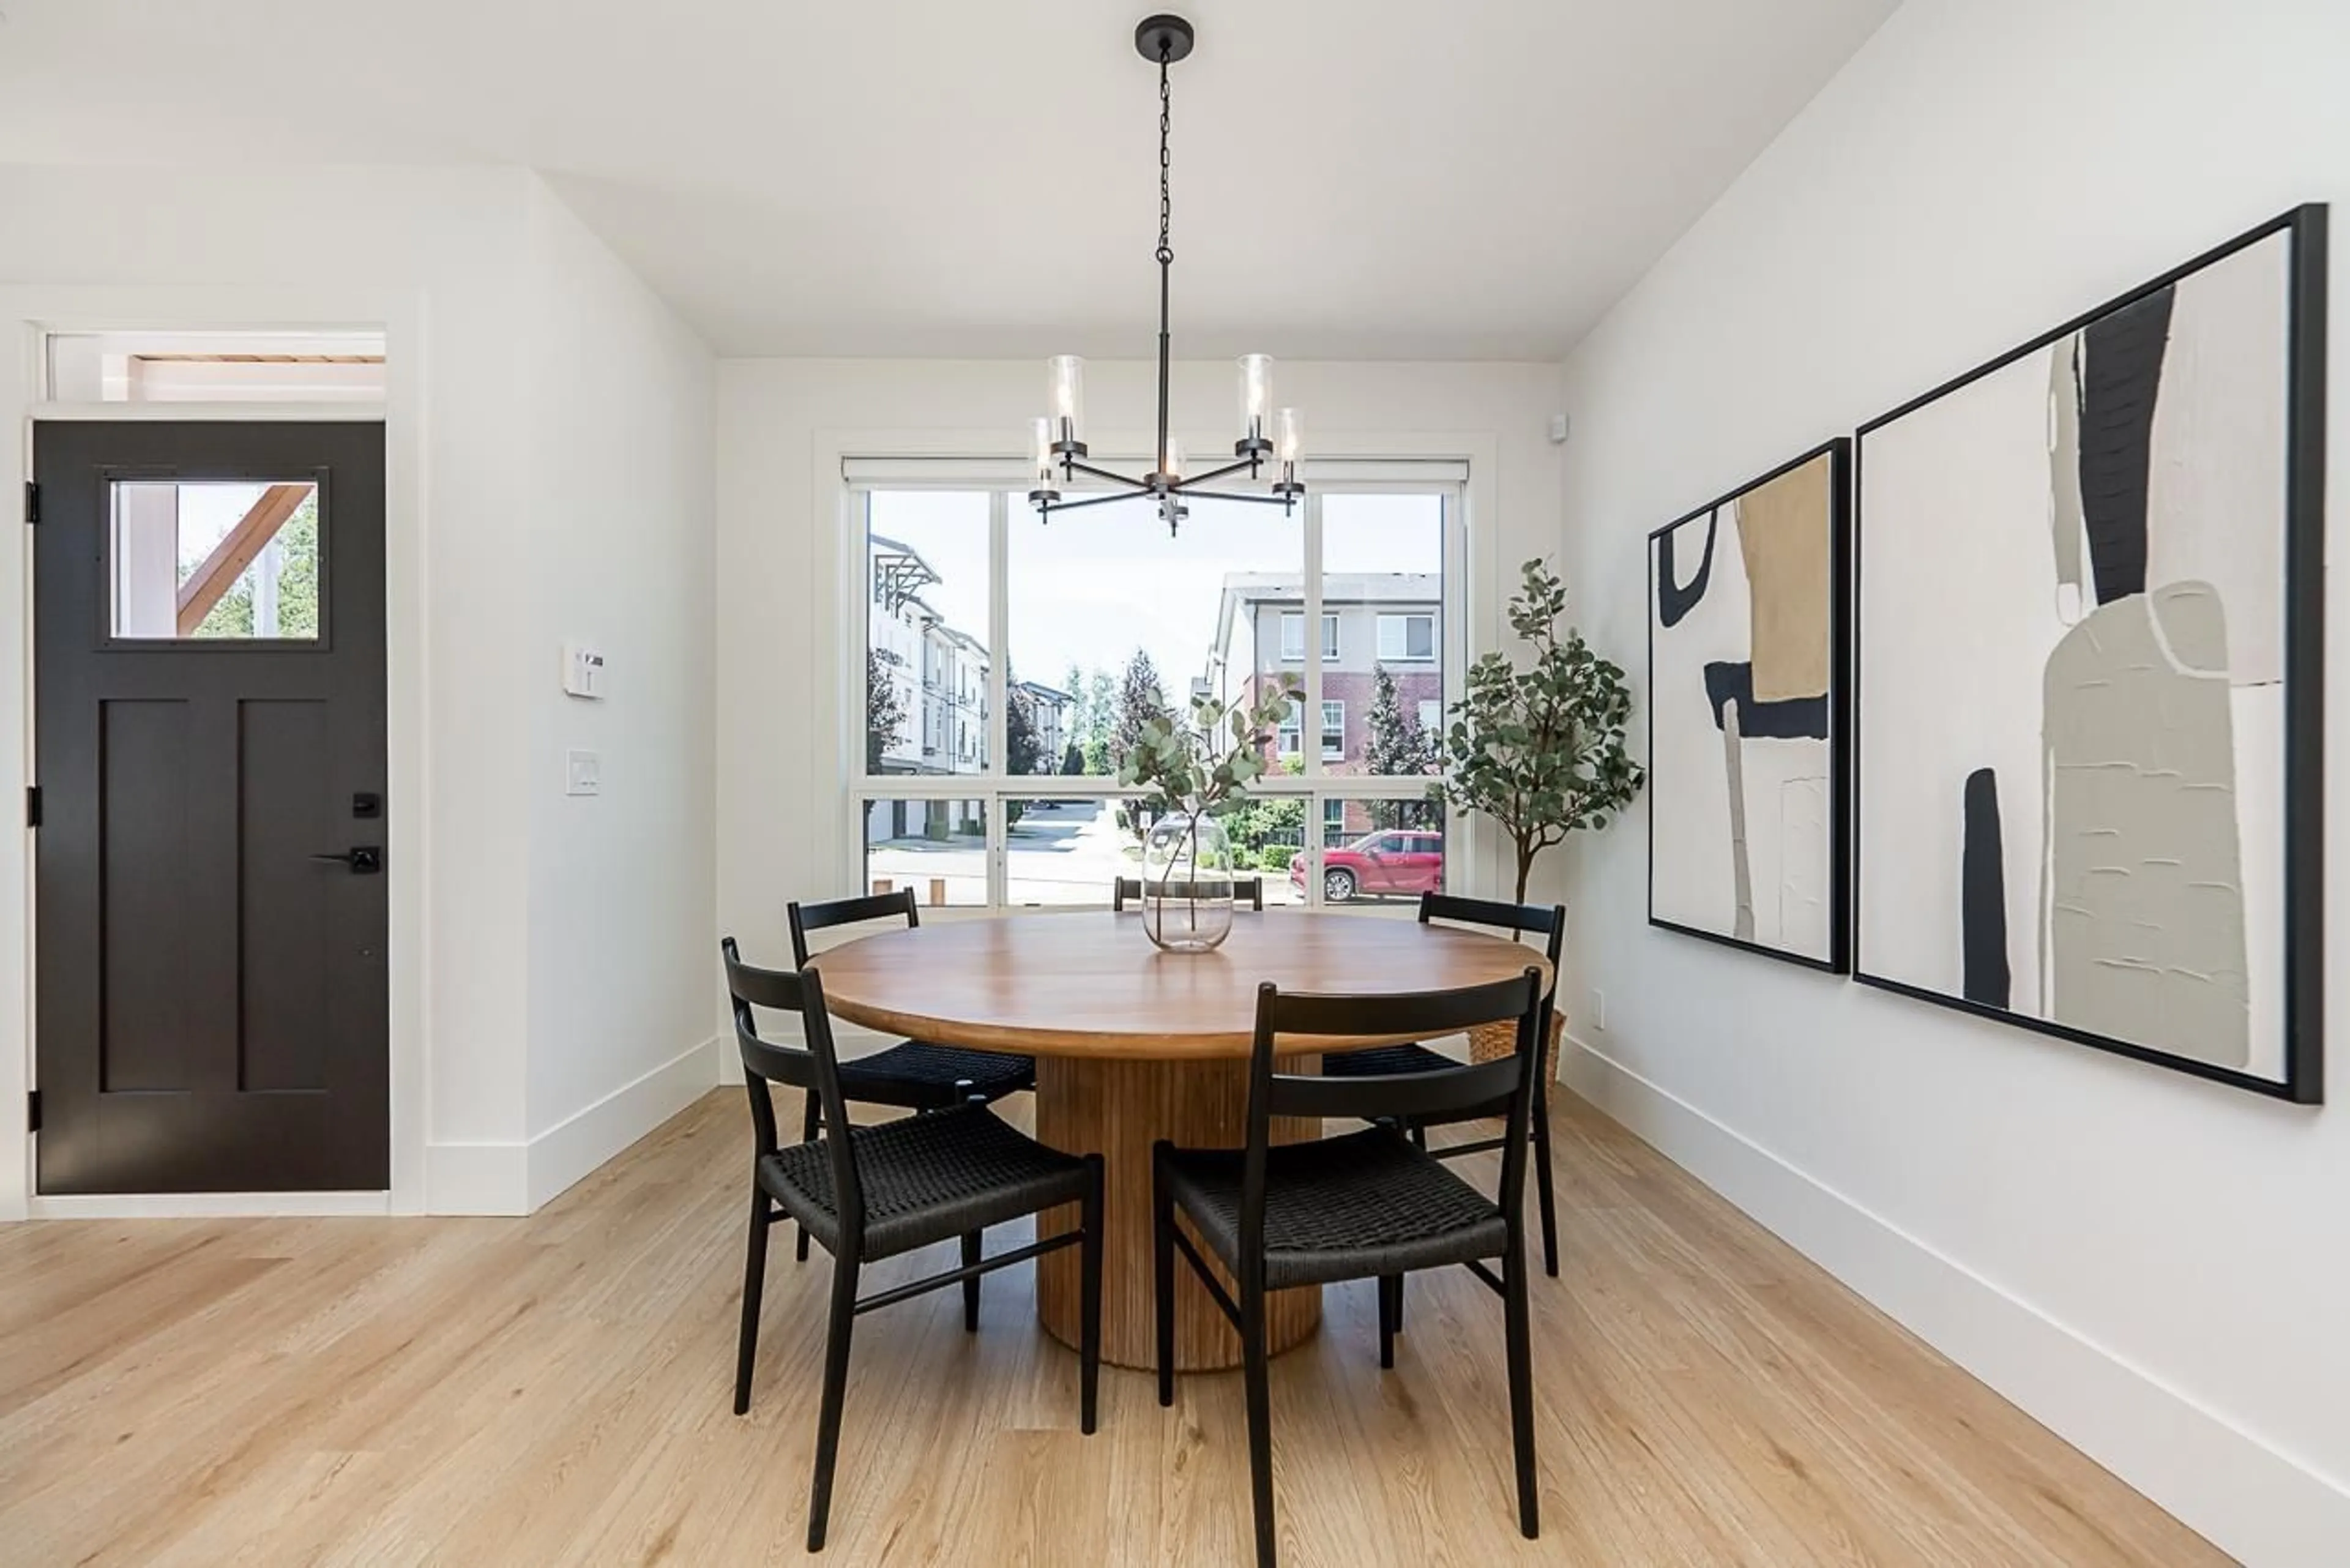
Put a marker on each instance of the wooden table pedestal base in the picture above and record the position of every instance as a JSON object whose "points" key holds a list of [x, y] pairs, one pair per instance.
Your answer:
{"points": [[1120, 1107]]}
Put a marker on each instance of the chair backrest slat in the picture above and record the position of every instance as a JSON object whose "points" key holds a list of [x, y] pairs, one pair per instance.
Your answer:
{"points": [[814, 1068], [1475, 1088], [820, 917]]}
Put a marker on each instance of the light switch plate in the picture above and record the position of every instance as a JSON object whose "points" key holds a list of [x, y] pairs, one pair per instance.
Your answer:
{"points": [[583, 773]]}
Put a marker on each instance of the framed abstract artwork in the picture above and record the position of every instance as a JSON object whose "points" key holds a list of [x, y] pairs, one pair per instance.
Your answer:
{"points": [[1746, 658], [2088, 722]]}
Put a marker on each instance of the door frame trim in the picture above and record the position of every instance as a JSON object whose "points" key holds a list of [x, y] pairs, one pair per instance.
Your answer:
{"points": [[27, 312]]}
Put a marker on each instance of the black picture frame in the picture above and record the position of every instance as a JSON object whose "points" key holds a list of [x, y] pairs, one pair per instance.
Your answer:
{"points": [[2304, 608], [1838, 451]]}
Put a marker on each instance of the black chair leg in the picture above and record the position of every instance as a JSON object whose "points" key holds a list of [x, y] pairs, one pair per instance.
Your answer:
{"points": [[1390, 1308], [1543, 1193], [836, 1387], [971, 1286], [1162, 1272], [754, 1279], [811, 1124], [1090, 1263], [1419, 1136], [1522, 1389], [1260, 1416]]}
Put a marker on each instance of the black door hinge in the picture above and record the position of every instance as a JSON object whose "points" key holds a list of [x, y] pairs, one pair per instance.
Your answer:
{"points": [[32, 502], [32, 1110], [32, 806]]}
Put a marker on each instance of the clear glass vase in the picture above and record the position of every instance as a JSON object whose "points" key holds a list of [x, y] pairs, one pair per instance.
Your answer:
{"points": [[1187, 883]]}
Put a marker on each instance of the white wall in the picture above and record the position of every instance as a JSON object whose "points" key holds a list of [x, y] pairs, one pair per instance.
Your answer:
{"points": [[488, 296], [782, 800], [2158, 1267], [621, 469]]}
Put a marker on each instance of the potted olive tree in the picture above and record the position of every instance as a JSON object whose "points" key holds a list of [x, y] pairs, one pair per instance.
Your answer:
{"points": [[1540, 748]]}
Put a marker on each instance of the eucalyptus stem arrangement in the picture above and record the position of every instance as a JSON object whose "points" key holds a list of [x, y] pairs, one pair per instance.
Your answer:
{"points": [[1195, 766]]}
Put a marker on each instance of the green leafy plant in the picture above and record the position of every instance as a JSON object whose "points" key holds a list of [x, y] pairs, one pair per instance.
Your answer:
{"points": [[1207, 763], [1541, 750]]}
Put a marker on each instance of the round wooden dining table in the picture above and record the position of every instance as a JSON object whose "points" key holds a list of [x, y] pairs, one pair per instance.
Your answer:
{"points": [[1133, 1044]]}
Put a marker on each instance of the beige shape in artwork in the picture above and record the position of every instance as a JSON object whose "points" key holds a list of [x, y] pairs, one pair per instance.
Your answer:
{"points": [[2144, 904], [1782, 537]]}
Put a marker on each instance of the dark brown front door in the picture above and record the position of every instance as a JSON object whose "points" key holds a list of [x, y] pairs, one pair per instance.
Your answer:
{"points": [[210, 877]]}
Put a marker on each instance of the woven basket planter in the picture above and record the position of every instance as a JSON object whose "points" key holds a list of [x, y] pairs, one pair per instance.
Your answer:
{"points": [[1491, 1041]]}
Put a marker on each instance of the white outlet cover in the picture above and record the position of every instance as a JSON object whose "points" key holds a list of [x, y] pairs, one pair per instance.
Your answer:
{"points": [[583, 773]]}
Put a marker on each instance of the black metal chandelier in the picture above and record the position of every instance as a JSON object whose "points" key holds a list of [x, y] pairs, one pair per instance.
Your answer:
{"points": [[1267, 434]]}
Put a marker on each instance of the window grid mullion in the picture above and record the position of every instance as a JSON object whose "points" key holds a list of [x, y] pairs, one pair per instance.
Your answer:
{"points": [[1309, 721]]}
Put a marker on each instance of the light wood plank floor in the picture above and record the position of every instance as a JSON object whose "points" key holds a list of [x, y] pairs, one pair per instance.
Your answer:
{"points": [[554, 1390]]}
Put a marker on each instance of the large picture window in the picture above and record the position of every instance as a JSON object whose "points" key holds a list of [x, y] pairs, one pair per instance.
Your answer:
{"points": [[1008, 663]]}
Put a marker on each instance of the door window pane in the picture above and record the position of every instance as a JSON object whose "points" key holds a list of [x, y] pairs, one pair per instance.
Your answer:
{"points": [[1108, 609], [1382, 852], [936, 847], [1383, 572], [214, 560], [926, 658]]}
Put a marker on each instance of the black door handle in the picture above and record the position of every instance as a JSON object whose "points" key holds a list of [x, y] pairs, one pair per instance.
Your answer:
{"points": [[363, 859]]}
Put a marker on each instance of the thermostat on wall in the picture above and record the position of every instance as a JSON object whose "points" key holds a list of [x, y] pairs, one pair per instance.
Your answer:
{"points": [[583, 670]]}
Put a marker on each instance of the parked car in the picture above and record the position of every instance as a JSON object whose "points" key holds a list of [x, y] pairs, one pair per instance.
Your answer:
{"points": [[1402, 860]]}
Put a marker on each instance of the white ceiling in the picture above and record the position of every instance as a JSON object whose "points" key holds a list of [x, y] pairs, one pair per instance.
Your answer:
{"points": [[1450, 179]]}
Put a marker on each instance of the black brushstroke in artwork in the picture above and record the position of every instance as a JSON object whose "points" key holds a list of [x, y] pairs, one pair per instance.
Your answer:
{"points": [[1673, 601], [2121, 372], [1789, 719], [1982, 896]]}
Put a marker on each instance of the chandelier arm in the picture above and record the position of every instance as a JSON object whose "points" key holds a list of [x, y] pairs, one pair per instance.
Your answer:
{"points": [[1046, 508], [1232, 495], [1142, 484], [1184, 485]]}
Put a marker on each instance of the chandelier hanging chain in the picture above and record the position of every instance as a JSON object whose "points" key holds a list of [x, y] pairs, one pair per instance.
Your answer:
{"points": [[1267, 434], [1166, 164]]}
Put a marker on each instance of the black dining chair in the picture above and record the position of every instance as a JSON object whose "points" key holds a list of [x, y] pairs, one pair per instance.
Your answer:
{"points": [[1368, 1205], [1128, 890], [1394, 1060], [867, 1193], [913, 1074]]}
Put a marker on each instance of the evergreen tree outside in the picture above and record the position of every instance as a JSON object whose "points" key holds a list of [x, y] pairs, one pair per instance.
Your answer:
{"points": [[884, 711], [1101, 708], [1140, 699], [1073, 761], [1396, 746]]}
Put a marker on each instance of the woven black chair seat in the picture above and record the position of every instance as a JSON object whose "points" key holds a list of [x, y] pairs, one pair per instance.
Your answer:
{"points": [[926, 1178], [1385, 1062], [923, 1076], [1340, 1209]]}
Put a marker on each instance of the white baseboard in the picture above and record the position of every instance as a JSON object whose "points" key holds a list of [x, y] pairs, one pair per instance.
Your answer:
{"points": [[580, 1142], [2251, 1499], [204, 1205], [477, 1178]]}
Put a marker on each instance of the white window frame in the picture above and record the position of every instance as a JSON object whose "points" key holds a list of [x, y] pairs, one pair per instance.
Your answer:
{"points": [[1333, 753], [1401, 620], [1293, 649], [1004, 481], [1431, 722]]}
